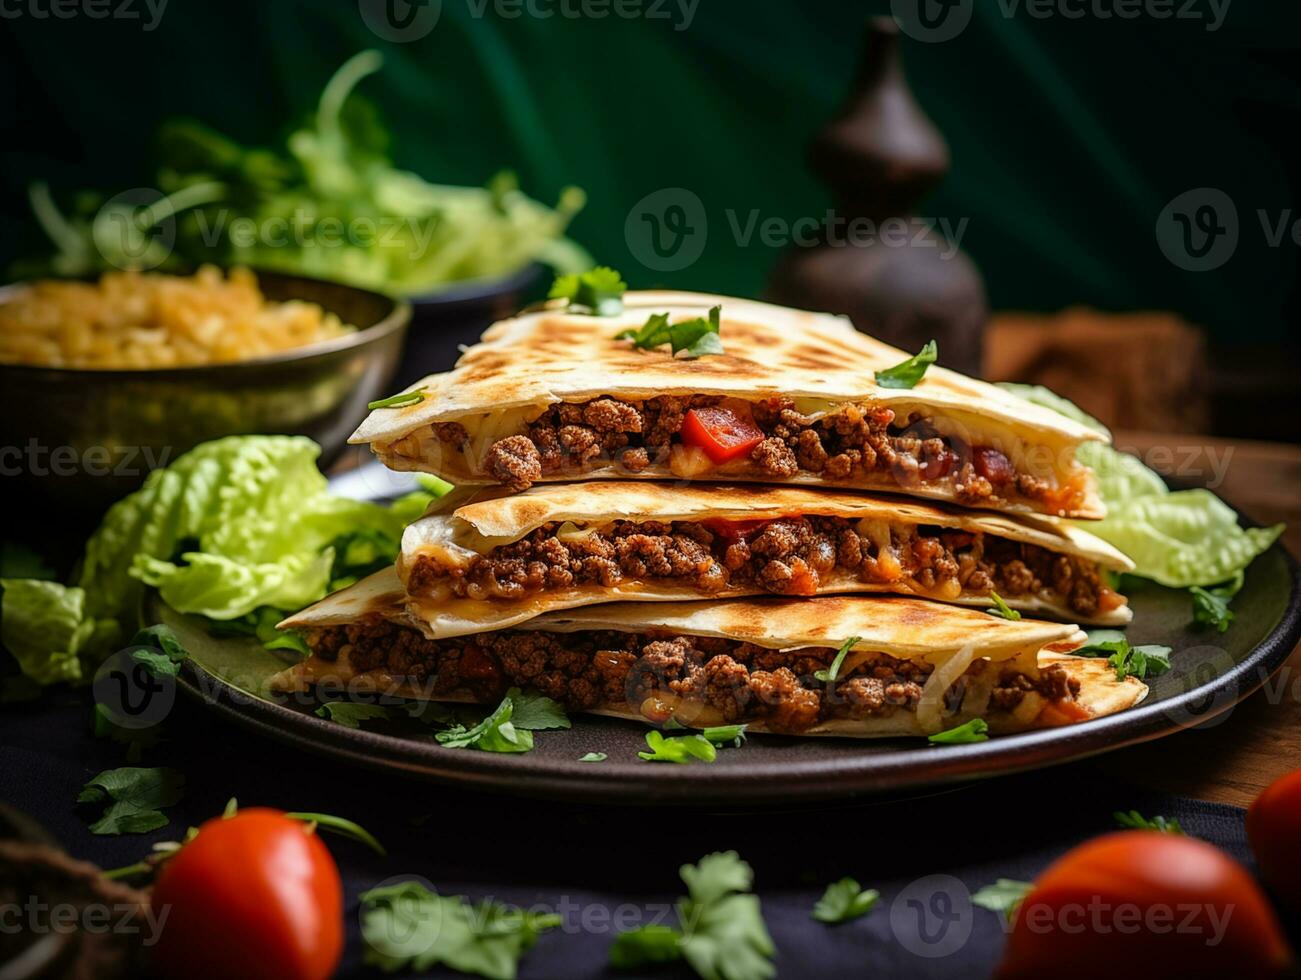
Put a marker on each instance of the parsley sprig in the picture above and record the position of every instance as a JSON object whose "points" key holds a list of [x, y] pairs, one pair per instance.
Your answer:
{"points": [[721, 932], [408, 926], [135, 799], [976, 730], [1002, 896], [907, 373], [597, 291], [1133, 820], [695, 338], [844, 900], [1145, 660], [1211, 605]]}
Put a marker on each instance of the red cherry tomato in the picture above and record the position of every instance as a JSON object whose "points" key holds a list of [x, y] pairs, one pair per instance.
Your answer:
{"points": [[253, 895], [1144, 904], [720, 432], [1274, 829]]}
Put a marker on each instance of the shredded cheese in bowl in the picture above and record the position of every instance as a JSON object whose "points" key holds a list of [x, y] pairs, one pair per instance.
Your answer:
{"points": [[150, 320]]}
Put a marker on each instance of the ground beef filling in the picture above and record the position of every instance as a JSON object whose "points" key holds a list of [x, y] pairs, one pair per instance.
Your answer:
{"points": [[786, 556], [659, 675], [858, 439]]}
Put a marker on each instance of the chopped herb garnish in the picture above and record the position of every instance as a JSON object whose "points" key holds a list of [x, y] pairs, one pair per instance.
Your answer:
{"points": [[593, 757], [351, 714], [907, 373], [1002, 896], [534, 712], [680, 748], [695, 337], [597, 291], [1127, 661], [1133, 820], [135, 799], [342, 827], [1001, 608], [828, 675], [495, 733], [1211, 608], [408, 927], [844, 900], [399, 401], [721, 931], [976, 730], [725, 735]]}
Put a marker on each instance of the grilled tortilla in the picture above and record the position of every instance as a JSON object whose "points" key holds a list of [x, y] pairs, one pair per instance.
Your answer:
{"points": [[496, 560], [551, 396], [917, 667]]}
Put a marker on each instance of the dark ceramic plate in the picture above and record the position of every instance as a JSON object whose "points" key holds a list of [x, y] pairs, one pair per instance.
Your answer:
{"points": [[1211, 672]]}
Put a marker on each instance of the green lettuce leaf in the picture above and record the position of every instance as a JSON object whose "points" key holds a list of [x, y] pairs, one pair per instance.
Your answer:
{"points": [[44, 625], [234, 526], [1179, 538]]}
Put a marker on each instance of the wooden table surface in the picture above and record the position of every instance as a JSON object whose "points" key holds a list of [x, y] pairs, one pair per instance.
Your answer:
{"points": [[1232, 761]]}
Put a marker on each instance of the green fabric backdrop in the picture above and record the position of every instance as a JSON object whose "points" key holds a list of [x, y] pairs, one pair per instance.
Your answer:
{"points": [[1068, 135]]}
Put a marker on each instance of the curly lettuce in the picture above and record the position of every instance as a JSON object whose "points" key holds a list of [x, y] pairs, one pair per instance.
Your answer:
{"points": [[1178, 538], [234, 526]]}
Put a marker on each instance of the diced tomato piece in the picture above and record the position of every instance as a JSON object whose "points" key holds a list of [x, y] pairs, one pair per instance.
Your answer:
{"points": [[720, 433], [992, 465], [1109, 599], [733, 530], [1057, 713]]}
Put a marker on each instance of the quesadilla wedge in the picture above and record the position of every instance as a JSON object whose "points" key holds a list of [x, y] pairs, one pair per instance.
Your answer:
{"points": [[552, 395], [915, 667], [500, 559]]}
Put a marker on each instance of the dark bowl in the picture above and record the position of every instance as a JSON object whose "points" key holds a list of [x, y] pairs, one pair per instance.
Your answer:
{"points": [[443, 321], [74, 440]]}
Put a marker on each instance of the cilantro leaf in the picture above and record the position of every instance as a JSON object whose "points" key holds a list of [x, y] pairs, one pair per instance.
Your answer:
{"points": [[721, 930], [534, 712], [907, 373], [696, 337], [351, 714], [410, 927], [1001, 608], [1210, 609], [1002, 896], [1140, 661], [593, 757], [598, 291], [1133, 820], [680, 748], [828, 675], [844, 900], [976, 730], [645, 945], [495, 733], [162, 653], [135, 798]]}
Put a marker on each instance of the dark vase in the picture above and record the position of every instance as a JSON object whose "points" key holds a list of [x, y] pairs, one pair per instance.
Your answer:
{"points": [[896, 277]]}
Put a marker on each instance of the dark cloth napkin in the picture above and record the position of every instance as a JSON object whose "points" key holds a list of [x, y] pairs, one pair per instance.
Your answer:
{"points": [[600, 865]]}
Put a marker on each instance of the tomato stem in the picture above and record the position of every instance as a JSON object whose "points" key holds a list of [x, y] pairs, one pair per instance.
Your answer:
{"points": [[139, 868]]}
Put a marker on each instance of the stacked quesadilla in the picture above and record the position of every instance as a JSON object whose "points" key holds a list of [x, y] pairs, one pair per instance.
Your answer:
{"points": [[765, 535]]}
